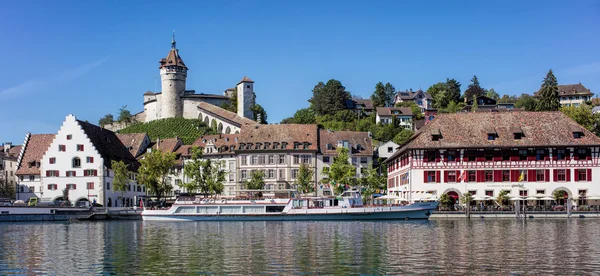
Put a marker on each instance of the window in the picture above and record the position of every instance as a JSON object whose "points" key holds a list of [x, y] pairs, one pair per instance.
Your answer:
{"points": [[281, 173], [471, 156], [489, 155], [244, 174], [489, 193], [76, 162], [69, 136], [523, 193], [540, 192], [353, 160], [79, 147], [52, 173], [431, 176], [261, 159], [561, 154], [389, 149], [52, 160], [577, 134], [540, 154], [231, 177], [254, 160], [89, 159], [90, 172], [281, 159], [505, 155], [581, 175], [325, 159], [489, 176], [523, 173], [451, 176], [582, 192], [582, 154], [561, 175], [71, 186], [363, 160], [472, 192], [505, 176], [471, 176], [451, 155], [271, 174], [52, 187], [70, 173], [294, 173], [491, 136], [62, 148], [539, 175], [90, 185], [522, 154], [305, 159], [518, 135], [32, 178], [244, 159], [296, 159], [271, 159], [296, 145]]}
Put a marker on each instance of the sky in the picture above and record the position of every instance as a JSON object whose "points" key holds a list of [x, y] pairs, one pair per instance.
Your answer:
{"points": [[89, 58]]}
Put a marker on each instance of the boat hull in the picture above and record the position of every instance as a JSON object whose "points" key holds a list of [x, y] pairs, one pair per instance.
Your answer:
{"points": [[298, 216]]}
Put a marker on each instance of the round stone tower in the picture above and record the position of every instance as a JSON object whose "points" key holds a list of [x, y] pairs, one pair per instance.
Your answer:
{"points": [[173, 74]]}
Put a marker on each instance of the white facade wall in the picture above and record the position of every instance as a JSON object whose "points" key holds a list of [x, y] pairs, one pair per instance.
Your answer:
{"points": [[29, 186], [282, 172], [245, 98], [173, 87], [387, 149], [223, 126]]}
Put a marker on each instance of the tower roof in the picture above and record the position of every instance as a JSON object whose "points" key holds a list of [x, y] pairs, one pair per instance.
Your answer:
{"points": [[173, 58], [246, 79]]}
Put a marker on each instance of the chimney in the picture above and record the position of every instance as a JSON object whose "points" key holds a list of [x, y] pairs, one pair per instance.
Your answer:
{"points": [[411, 90], [7, 146]]}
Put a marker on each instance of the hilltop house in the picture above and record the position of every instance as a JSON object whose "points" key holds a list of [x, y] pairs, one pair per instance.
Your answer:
{"points": [[402, 115], [572, 94], [420, 97]]}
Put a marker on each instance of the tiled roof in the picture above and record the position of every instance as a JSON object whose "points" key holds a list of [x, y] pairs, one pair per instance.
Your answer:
{"points": [[108, 145], [355, 138], [149, 93], [288, 133], [202, 95], [419, 124], [409, 95], [133, 141], [35, 148], [225, 114], [359, 103], [469, 130], [246, 79], [168, 144], [15, 150], [223, 142], [571, 90], [172, 59], [388, 111]]}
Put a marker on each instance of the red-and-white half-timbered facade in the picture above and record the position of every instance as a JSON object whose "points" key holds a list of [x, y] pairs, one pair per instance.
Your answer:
{"points": [[529, 154]]}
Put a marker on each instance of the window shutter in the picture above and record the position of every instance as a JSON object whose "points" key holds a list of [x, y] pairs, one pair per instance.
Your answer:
{"points": [[555, 175], [546, 175], [480, 176], [568, 174], [47, 173], [497, 176], [589, 175], [531, 177], [513, 176], [424, 176], [91, 159], [445, 176], [57, 174], [95, 172], [576, 174], [437, 176]]}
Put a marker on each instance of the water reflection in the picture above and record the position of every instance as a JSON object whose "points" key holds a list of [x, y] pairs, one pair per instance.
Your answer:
{"points": [[339, 248]]}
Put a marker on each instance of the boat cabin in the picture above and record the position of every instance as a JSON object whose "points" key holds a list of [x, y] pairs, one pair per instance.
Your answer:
{"points": [[348, 199]]}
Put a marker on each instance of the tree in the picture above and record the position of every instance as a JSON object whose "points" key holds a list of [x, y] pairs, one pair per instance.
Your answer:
{"points": [[583, 116], [256, 182], [231, 105], [65, 196], [558, 195], [438, 93], [492, 94], [6, 190], [340, 172], [446, 200], [121, 178], [549, 98], [329, 98], [192, 169], [302, 116], [416, 109], [214, 174], [474, 89], [390, 94], [154, 172], [402, 137], [507, 99], [106, 120], [379, 96], [304, 179], [453, 90], [467, 198], [475, 106], [259, 111], [503, 198], [527, 102], [371, 182], [453, 107], [125, 116]]}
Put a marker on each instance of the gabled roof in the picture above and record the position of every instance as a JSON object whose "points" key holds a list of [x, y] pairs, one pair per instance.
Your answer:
{"points": [[389, 111], [410, 95], [469, 130], [223, 142], [172, 59], [108, 145], [35, 148], [571, 90], [246, 79], [15, 150], [167, 144], [288, 133], [225, 114], [132, 141], [327, 137]]}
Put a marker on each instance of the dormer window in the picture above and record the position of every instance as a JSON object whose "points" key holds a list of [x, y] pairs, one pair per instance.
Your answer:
{"points": [[577, 134], [257, 146], [492, 136], [518, 135], [284, 145], [275, 145], [436, 137], [358, 147], [296, 145], [242, 145], [329, 147], [306, 145], [267, 144], [249, 146]]}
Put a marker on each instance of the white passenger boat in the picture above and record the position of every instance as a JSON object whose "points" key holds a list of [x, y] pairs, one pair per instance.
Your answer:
{"points": [[348, 206]]}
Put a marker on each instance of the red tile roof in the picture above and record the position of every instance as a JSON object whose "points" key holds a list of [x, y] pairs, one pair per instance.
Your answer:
{"points": [[469, 130], [172, 59], [389, 111], [353, 137], [246, 79], [168, 144], [133, 141], [15, 150], [225, 114], [35, 148], [571, 90], [109, 145], [223, 142], [288, 133]]}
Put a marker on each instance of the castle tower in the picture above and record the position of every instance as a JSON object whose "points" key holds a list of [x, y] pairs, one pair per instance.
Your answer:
{"points": [[245, 98], [173, 74]]}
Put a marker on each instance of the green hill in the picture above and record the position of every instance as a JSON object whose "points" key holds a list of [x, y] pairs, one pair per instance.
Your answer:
{"points": [[187, 129]]}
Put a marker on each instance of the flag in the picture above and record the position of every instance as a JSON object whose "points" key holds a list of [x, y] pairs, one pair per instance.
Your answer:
{"points": [[522, 176], [463, 176]]}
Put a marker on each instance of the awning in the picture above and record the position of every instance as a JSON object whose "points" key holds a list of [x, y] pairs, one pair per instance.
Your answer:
{"points": [[516, 198], [388, 197], [531, 198], [546, 198], [593, 197]]}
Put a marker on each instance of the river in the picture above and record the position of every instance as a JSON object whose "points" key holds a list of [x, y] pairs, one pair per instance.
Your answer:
{"points": [[475, 247]]}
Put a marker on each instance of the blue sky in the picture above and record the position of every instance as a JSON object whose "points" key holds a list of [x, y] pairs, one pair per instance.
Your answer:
{"points": [[88, 58]]}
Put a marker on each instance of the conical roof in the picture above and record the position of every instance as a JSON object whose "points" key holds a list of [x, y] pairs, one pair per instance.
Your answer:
{"points": [[246, 79]]}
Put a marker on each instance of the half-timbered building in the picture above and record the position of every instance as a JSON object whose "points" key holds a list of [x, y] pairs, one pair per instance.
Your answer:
{"points": [[531, 154]]}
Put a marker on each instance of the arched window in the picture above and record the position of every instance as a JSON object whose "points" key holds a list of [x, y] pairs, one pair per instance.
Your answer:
{"points": [[76, 162]]}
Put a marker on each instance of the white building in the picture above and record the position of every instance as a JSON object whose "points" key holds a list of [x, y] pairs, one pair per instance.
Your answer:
{"points": [[528, 154], [420, 97], [387, 149], [402, 115], [29, 163]]}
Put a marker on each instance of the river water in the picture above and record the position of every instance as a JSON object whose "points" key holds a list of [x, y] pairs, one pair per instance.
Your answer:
{"points": [[559, 247]]}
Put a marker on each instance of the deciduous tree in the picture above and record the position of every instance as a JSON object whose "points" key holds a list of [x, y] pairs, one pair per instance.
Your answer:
{"points": [[371, 181], [302, 116], [154, 172], [259, 111], [256, 182], [121, 177], [340, 172], [416, 109], [106, 120], [402, 137], [527, 102], [192, 169], [125, 116], [304, 179], [549, 98], [492, 94]]}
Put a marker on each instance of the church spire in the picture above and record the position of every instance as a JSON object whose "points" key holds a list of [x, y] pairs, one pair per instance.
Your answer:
{"points": [[173, 43]]}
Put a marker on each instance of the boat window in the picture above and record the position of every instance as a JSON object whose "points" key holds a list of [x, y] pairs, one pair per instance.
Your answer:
{"points": [[275, 209]]}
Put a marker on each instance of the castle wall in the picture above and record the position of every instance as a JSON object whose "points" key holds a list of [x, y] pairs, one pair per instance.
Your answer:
{"points": [[190, 105], [173, 87]]}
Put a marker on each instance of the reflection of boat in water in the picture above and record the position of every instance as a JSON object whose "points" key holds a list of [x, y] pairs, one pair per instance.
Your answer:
{"points": [[348, 206]]}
